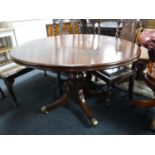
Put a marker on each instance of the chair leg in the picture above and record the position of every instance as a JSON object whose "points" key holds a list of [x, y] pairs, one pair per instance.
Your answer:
{"points": [[109, 88], [88, 76], [9, 83], [131, 84], [96, 79], [60, 83], [131, 79], [2, 93], [45, 74]]}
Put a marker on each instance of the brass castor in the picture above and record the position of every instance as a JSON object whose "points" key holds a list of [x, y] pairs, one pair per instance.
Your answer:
{"points": [[44, 109], [94, 121]]}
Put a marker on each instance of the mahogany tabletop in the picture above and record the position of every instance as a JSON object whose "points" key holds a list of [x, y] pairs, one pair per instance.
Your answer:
{"points": [[76, 52]]}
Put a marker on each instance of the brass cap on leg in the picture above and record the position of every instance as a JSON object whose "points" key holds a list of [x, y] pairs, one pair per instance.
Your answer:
{"points": [[94, 121], [44, 109]]}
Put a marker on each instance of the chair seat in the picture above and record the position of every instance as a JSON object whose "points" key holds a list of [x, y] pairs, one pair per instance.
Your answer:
{"points": [[10, 69], [115, 71], [110, 75]]}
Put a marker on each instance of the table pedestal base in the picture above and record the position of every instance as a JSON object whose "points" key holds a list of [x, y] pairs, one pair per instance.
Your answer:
{"points": [[74, 86]]}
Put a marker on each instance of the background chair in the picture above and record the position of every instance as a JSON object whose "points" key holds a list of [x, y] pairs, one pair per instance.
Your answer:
{"points": [[126, 29], [64, 26], [100, 26], [108, 26], [91, 26], [8, 72]]}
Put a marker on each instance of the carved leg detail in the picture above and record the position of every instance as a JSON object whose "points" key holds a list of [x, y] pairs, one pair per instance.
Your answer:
{"points": [[9, 84], [59, 102], [85, 108]]}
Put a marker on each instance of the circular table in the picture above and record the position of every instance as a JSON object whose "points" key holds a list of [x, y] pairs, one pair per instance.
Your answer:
{"points": [[75, 54]]}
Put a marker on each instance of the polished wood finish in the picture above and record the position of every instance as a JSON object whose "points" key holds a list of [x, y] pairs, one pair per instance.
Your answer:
{"points": [[72, 53], [59, 27], [75, 54]]}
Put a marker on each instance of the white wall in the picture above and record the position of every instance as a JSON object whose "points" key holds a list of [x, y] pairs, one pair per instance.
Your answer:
{"points": [[30, 30]]}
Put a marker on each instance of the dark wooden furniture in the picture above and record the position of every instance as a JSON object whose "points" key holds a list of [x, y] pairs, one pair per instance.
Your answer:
{"points": [[91, 26], [8, 69], [62, 26], [127, 29], [147, 39], [109, 26], [144, 58], [8, 72], [100, 26], [76, 54]]}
